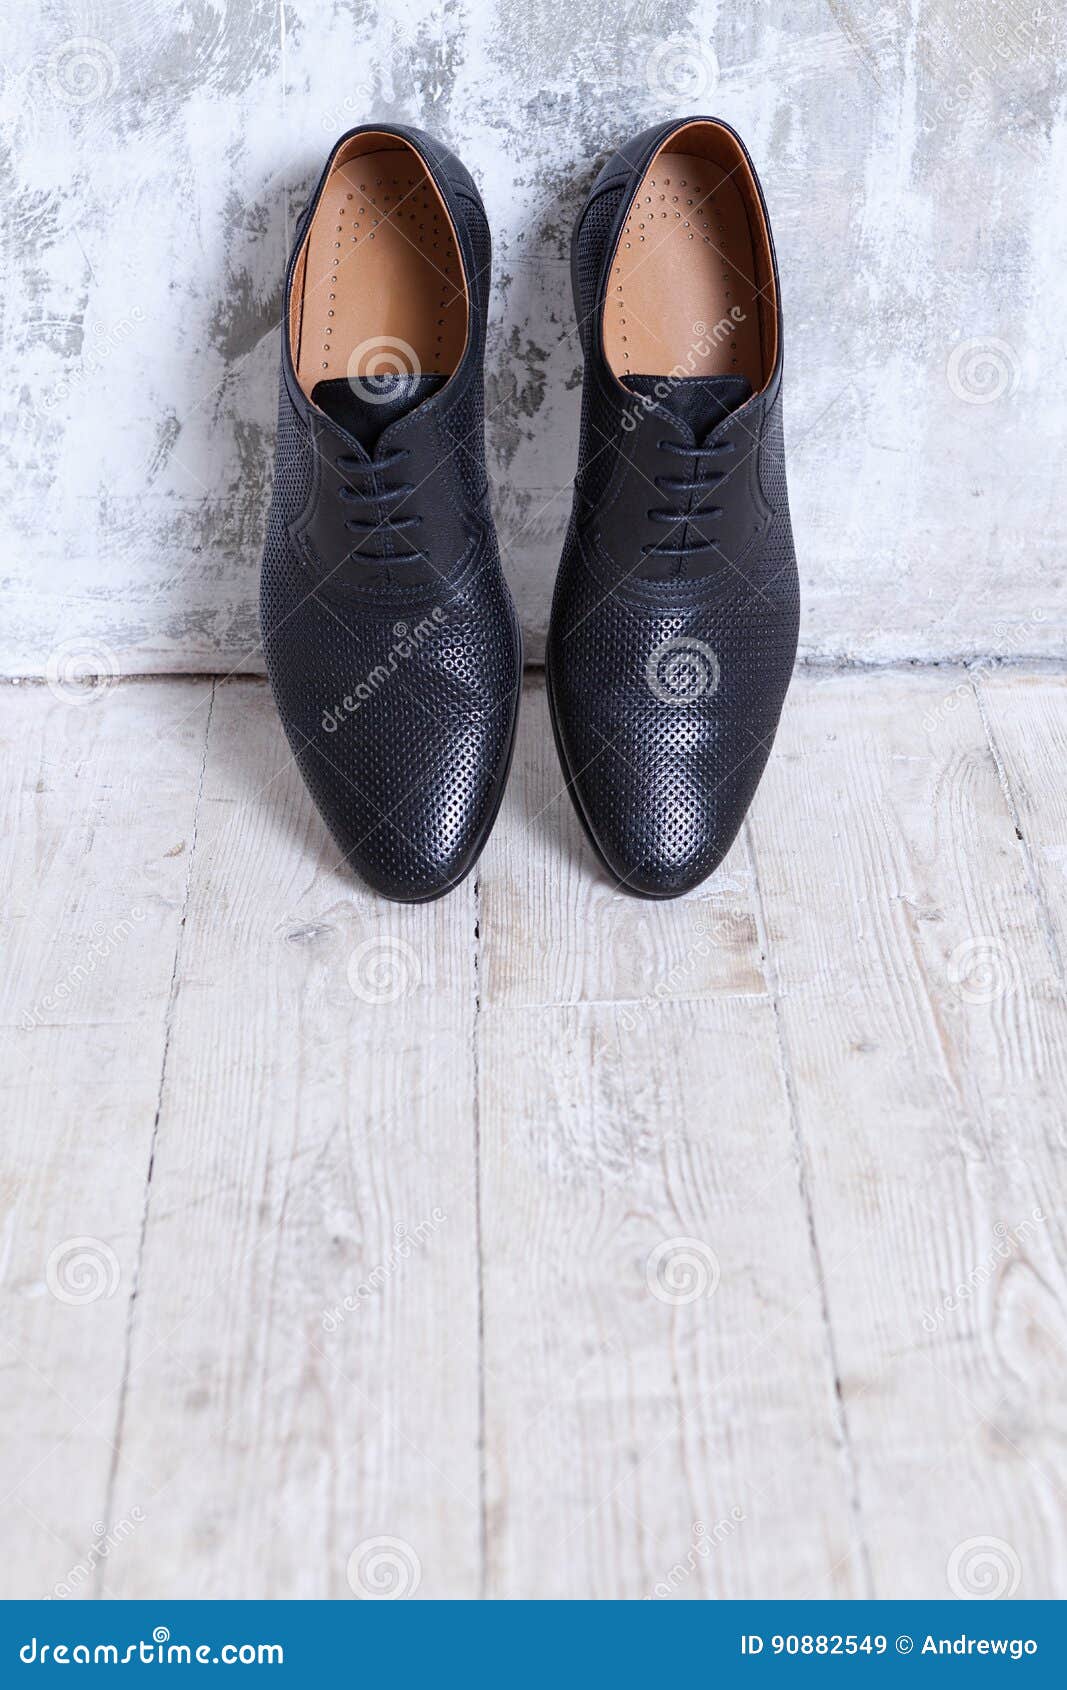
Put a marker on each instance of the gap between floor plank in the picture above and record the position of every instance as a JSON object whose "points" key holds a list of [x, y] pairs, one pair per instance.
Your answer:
{"points": [[840, 1413], [1044, 912], [168, 1023]]}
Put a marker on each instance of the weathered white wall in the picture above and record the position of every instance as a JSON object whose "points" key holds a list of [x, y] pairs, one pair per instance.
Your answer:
{"points": [[913, 155]]}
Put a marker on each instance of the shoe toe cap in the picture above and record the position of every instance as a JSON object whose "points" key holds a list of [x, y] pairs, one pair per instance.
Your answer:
{"points": [[401, 728], [661, 836], [663, 793], [410, 817]]}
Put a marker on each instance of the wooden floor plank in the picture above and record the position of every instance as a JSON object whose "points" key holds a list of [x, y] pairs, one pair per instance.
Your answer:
{"points": [[557, 929], [99, 814], [1026, 718], [925, 1035], [316, 1144], [660, 1411], [763, 1248]]}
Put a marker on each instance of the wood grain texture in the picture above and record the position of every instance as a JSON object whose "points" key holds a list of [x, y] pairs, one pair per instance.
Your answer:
{"points": [[924, 1038], [99, 799], [659, 1399], [541, 1241], [315, 1144], [556, 928], [1026, 720], [660, 1409]]}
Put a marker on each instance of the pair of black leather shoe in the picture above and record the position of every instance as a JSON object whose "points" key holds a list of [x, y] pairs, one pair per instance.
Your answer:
{"points": [[391, 639]]}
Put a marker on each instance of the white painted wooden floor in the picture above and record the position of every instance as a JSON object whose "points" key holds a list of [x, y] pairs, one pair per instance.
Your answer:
{"points": [[571, 1245]]}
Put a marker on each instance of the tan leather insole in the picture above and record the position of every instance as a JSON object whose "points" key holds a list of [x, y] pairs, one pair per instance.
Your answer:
{"points": [[683, 263], [382, 276]]}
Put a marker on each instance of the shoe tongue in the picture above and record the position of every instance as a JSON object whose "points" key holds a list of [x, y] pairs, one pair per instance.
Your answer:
{"points": [[700, 401], [366, 407]]}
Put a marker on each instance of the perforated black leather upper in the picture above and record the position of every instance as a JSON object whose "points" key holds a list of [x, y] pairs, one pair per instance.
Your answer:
{"points": [[397, 682], [666, 674]]}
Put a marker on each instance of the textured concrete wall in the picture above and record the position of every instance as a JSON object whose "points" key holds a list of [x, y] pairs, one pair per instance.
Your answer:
{"points": [[155, 156]]}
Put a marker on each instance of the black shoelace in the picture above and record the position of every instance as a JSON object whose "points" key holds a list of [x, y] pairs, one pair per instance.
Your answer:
{"points": [[383, 523], [684, 520]]}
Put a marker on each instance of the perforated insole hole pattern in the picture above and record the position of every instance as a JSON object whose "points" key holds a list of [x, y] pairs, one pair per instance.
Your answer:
{"points": [[670, 205], [400, 207], [703, 206]]}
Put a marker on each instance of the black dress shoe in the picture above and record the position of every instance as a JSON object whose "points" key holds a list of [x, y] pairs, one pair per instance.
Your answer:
{"points": [[674, 623], [391, 639]]}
